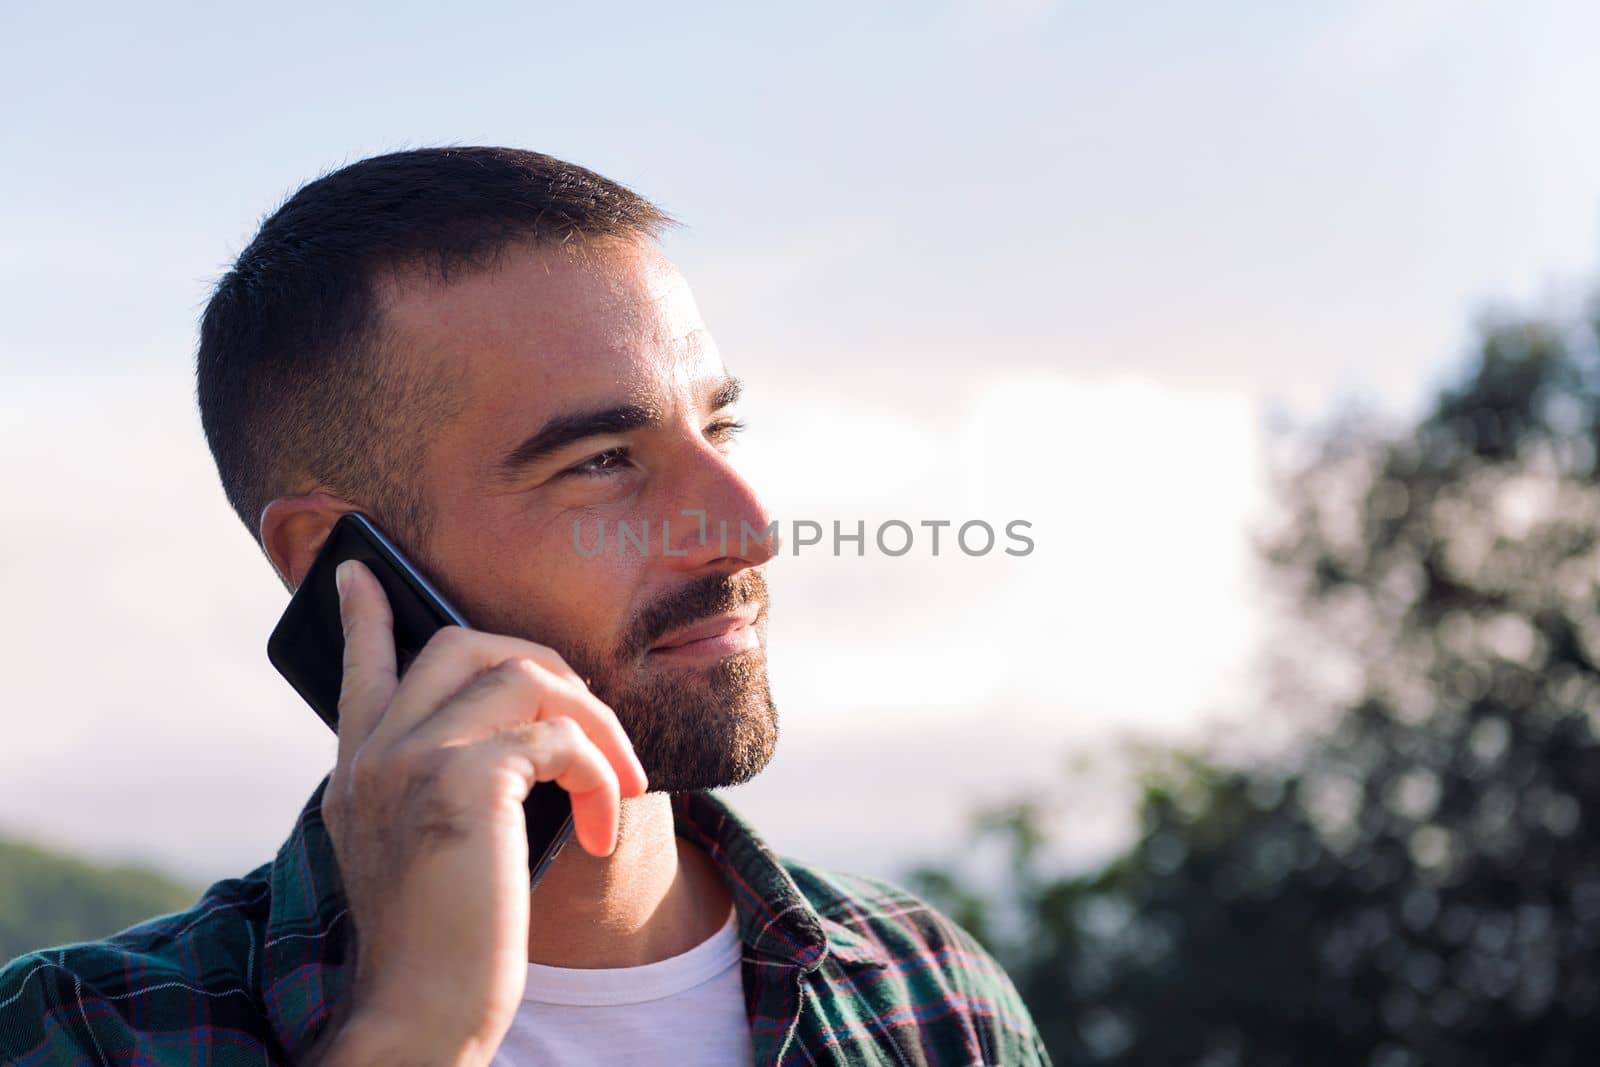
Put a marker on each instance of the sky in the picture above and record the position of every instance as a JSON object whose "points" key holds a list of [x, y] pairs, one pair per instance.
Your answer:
{"points": [[1067, 263]]}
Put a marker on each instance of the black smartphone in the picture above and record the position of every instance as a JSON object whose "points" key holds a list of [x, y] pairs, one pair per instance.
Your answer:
{"points": [[307, 647]]}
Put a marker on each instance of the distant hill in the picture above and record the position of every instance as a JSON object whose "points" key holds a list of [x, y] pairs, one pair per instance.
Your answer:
{"points": [[49, 898]]}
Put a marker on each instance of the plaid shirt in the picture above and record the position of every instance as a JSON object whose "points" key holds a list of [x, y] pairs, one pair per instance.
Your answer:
{"points": [[836, 969]]}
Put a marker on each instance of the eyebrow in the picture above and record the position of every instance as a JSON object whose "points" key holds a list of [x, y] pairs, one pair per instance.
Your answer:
{"points": [[563, 430]]}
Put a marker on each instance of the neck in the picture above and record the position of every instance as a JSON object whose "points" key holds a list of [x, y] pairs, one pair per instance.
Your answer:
{"points": [[654, 897]]}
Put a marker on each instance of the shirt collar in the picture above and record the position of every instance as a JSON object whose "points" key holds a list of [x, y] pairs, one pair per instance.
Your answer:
{"points": [[777, 922], [308, 954]]}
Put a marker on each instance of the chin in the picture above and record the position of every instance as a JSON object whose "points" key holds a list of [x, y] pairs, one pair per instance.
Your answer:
{"points": [[716, 727]]}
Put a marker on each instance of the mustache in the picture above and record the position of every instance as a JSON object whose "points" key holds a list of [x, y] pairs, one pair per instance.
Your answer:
{"points": [[700, 599]]}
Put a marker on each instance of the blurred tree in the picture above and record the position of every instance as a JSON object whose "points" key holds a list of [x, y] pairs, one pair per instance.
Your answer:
{"points": [[1419, 883], [47, 898]]}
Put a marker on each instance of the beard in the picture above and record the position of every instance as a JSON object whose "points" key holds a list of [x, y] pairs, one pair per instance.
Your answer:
{"points": [[693, 727], [700, 728]]}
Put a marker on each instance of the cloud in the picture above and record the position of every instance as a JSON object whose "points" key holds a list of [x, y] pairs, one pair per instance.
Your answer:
{"points": [[1371, 40]]}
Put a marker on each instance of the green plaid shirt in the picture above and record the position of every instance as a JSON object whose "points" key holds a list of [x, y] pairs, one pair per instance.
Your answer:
{"points": [[836, 968]]}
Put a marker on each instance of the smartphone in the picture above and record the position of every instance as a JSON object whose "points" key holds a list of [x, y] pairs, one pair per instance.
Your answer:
{"points": [[307, 647]]}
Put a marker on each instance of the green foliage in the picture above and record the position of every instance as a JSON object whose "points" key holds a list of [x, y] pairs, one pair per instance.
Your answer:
{"points": [[47, 898], [1419, 883]]}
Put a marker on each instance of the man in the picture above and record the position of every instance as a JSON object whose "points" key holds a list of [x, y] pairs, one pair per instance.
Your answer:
{"points": [[487, 352]]}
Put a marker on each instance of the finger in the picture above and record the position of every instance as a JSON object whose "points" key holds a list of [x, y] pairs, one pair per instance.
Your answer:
{"points": [[455, 657], [516, 692], [558, 751], [451, 658], [369, 680]]}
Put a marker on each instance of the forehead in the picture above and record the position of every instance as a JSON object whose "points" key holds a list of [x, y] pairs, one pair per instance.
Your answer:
{"points": [[547, 330]]}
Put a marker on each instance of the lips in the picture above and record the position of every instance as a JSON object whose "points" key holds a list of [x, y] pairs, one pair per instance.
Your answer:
{"points": [[723, 629]]}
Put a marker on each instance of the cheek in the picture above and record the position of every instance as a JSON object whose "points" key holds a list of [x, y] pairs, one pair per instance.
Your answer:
{"points": [[540, 586]]}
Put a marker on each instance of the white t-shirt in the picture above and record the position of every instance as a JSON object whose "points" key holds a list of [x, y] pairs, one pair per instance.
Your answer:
{"points": [[687, 1009]]}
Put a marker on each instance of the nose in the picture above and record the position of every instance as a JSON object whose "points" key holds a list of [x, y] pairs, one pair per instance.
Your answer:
{"points": [[719, 519]]}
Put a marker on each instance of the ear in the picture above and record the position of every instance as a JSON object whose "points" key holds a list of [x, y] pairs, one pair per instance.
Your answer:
{"points": [[294, 527]]}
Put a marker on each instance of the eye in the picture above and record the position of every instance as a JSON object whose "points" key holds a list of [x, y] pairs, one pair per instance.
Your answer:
{"points": [[615, 459], [724, 431], [599, 464]]}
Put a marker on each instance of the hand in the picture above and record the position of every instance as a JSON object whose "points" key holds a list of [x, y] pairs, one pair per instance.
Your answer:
{"points": [[424, 808]]}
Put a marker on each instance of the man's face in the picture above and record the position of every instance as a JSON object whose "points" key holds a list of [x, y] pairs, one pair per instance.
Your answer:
{"points": [[592, 399]]}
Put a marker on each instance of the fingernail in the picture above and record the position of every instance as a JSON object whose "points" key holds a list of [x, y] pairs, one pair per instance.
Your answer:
{"points": [[341, 577]]}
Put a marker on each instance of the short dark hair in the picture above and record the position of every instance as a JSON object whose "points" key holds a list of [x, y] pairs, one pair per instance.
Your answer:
{"points": [[289, 373]]}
